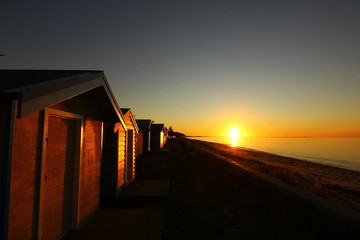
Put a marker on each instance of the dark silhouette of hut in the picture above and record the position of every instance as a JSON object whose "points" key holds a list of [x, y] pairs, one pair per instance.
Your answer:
{"points": [[132, 133], [52, 128], [144, 126], [158, 136]]}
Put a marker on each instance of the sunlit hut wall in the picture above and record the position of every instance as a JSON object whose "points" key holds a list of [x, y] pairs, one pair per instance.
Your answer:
{"points": [[54, 146], [139, 143], [166, 135], [113, 164], [158, 134], [132, 132], [144, 127]]}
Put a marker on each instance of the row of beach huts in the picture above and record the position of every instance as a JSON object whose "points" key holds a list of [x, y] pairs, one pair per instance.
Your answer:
{"points": [[65, 146]]}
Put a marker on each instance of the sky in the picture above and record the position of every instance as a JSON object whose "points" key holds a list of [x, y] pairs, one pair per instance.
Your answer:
{"points": [[271, 68]]}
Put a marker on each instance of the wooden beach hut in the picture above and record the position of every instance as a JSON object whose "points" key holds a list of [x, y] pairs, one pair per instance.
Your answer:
{"points": [[132, 132], [158, 136], [144, 127], [52, 128]]}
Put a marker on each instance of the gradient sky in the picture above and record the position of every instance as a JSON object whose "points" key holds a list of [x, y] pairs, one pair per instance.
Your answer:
{"points": [[272, 68]]}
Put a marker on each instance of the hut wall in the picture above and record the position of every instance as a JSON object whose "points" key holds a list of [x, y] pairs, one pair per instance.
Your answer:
{"points": [[90, 168], [121, 160], [155, 140], [130, 161], [109, 162], [162, 140], [139, 144], [2, 131], [133, 154], [113, 163], [146, 140], [130, 148], [24, 177]]}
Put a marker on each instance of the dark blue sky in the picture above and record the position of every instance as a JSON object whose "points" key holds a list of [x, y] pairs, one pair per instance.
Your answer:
{"points": [[270, 67]]}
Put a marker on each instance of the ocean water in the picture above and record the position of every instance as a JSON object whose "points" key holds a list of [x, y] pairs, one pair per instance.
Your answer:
{"points": [[339, 152]]}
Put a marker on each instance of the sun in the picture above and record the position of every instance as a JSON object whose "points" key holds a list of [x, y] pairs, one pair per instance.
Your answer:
{"points": [[234, 132]]}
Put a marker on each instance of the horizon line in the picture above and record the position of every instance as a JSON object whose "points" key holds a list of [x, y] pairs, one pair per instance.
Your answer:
{"points": [[276, 136]]}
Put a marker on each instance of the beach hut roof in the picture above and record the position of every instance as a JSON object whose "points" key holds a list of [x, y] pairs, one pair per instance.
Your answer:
{"points": [[14, 79], [159, 127], [144, 123], [38, 89]]}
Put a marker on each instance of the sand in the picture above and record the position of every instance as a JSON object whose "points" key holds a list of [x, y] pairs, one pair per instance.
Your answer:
{"points": [[339, 185], [218, 192]]}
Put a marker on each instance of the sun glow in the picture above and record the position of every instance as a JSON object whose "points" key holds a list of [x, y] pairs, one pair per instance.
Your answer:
{"points": [[234, 134]]}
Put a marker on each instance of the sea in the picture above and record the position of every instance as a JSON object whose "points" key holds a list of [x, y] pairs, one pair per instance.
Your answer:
{"points": [[338, 152]]}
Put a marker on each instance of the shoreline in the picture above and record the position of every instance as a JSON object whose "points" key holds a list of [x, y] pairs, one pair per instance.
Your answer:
{"points": [[338, 185], [335, 159]]}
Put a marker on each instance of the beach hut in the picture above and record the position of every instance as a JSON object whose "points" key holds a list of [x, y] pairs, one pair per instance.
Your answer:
{"points": [[144, 127], [52, 128], [132, 132], [158, 136]]}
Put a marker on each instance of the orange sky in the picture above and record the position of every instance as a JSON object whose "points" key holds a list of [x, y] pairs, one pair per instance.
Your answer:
{"points": [[280, 125], [249, 130]]}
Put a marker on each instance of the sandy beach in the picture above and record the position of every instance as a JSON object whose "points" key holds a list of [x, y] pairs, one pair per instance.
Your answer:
{"points": [[339, 185], [219, 192]]}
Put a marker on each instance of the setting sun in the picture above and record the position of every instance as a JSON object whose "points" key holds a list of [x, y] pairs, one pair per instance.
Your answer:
{"points": [[234, 132]]}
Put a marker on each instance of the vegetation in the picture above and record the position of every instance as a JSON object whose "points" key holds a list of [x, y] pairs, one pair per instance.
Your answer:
{"points": [[172, 133]]}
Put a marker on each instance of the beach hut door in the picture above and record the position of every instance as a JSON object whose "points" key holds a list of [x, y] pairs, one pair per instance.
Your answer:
{"points": [[57, 185]]}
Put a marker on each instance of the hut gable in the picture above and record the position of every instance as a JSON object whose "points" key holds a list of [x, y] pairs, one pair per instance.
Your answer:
{"points": [[52, 149], [129, 118]]}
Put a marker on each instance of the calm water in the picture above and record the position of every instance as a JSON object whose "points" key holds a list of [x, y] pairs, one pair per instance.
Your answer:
{"points": [[339, 152]]}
